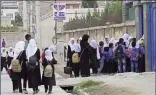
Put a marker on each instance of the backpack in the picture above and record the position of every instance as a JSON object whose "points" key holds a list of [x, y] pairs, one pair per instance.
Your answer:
{"points": [[134, 56], [48, 72], [75, 58], [32, 63], [119, 52], [16, 67]]}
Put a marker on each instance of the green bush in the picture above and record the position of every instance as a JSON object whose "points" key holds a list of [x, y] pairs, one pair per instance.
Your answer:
{"points": [[9, 28], [112, 14], [87, 86]]}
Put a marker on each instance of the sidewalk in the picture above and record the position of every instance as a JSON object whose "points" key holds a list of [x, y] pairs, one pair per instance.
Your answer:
{"points": [[6, 87]]}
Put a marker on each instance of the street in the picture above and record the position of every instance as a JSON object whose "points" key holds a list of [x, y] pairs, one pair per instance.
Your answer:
{"points": [[6, 87]]}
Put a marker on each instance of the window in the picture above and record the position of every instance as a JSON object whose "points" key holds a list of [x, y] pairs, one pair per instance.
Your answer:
{"points": [[9, 15]]}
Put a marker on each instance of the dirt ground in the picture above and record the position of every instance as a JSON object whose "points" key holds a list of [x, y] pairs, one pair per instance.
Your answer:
{"points": [[112, 90]]}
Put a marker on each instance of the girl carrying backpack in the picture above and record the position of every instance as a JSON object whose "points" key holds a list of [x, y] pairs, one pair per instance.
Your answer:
{"points": [[48, 77]]}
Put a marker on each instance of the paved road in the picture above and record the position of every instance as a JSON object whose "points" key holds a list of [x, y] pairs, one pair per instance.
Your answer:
{"points": [[6, 87]]}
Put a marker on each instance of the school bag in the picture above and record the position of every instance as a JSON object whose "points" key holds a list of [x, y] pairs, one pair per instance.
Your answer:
{"points": [[134, 56], [75, 58], [16, 66], [48, 71], [32, 63], [119, 52]]}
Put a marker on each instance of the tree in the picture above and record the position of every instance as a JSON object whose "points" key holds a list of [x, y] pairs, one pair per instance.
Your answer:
{"points": [[89, 4], [88, 15], [18, 20], [76, 17]]}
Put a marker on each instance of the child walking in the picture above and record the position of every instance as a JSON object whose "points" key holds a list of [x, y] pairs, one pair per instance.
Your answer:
{"points": [[48, 77], [134, 54]]}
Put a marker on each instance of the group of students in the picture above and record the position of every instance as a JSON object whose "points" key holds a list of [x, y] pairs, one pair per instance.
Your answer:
{"points": [[24, 63], [125, 54]]}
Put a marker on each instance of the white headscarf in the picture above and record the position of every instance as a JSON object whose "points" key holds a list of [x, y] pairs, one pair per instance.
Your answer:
{"points": [[51, 48], [3, 52], [125, 36], [126, 39], [31, 49], [94, 45], [111, 40], [18, 48], [11, 54], [80, 38], [130, 37], [106, 44], [48, 55], [77, 47], [72, 46]]}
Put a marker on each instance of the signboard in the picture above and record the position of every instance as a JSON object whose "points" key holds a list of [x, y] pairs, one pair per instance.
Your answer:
{"points": [[59, 11]]}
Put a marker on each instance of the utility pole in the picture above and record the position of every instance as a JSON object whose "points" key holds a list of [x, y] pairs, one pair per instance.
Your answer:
{"points": [[31, 12], [38, 24], [56, 29], [25, 17]]}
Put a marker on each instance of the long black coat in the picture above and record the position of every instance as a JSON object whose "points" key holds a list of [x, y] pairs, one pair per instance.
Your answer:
{"points": [[93, 58], [24, 66], [84, 59], [34, 77], [9, 59], [45, 80], [69, 56]]}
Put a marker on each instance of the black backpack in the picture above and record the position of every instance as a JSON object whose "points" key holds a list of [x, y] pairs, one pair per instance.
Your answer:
{"points": [[32, 63], [119, 52]]}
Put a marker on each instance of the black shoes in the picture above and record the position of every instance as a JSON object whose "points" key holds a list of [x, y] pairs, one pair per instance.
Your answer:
{"points": [[25, 91], [49, 92]]}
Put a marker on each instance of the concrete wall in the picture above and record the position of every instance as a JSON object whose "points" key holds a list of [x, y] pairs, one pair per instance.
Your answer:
{"points": [[100, 32], [47, 31], [96, 33], [11, 38]]}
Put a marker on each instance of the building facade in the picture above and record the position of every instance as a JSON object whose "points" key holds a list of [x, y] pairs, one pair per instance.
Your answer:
{"points": [[9, 8]]}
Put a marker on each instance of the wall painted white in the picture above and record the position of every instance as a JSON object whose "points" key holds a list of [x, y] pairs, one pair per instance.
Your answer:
{"points": [[47, 31]]}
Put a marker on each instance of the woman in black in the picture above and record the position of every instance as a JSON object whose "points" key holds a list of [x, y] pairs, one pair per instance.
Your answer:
{"points": [[48, 82], [34, 75], [10, 56], [70, 52], [94, 56], [84, 57], [3, 59]]}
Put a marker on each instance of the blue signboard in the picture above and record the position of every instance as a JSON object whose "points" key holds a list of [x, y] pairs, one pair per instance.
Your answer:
{"points": [[59, 11]]}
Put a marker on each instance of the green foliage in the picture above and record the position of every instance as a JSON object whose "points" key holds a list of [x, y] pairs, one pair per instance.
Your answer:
{"points": [[112, 14], [9, 28], [88, 86], [18, 20], [89, 15], [89, 4]]}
